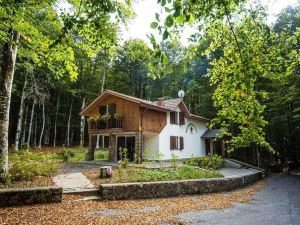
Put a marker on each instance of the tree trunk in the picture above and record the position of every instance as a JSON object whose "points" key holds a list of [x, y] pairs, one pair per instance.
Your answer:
{"points": [[47, 130], [55, 122], [24, 127], [20, 117], [82, 125], [6, 79], [103, 80], [69, 123], [30, 123], [43, 126], [35, 130]]}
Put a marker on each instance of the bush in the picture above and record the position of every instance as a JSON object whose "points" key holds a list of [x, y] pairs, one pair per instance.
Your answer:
{"points": [[102, 154], [27, 165], [66, 154], [208, 162]]}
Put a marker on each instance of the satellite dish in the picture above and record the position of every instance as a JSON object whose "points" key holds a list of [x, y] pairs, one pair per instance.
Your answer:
{"points": [[181, 94]]}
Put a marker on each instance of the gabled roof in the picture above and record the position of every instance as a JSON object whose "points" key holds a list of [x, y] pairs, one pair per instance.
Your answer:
{"points": [[167, 106]]}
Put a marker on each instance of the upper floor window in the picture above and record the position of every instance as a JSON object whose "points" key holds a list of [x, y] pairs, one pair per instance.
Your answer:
{"points": [[108, 109], [174, 119]]}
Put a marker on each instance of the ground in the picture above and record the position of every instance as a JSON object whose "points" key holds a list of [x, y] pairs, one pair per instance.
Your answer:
{"points": [[274, 201]]}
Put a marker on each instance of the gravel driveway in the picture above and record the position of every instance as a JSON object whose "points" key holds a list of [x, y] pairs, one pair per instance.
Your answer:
{"points": [[277, 204]]}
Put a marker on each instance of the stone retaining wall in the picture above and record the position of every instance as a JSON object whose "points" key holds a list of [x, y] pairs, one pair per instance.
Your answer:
{"points": [[174, 188], [24, 196]]}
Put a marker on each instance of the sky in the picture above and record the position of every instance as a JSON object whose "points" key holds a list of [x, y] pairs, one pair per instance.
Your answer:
{"points": [[145, 11]]}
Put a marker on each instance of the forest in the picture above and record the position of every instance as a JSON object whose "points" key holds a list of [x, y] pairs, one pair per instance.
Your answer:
{"points": [[238, 70]]}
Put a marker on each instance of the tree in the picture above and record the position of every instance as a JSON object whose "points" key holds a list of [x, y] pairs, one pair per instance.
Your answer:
{"points": [[27, 21]]}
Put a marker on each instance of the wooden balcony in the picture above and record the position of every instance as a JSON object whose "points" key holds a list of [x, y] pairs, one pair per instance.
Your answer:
{"points": [[102, 126]]}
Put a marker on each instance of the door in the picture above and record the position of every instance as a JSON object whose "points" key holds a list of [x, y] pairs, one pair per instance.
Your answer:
{"points": [[126, 142], [207, 146]]}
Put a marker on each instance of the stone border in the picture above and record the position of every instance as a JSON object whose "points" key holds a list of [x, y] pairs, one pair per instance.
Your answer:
{"points": [[34, 195], [163, 189]]}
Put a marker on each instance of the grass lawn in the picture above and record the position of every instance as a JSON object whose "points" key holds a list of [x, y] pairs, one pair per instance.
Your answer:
{"points": [[132, 174]]}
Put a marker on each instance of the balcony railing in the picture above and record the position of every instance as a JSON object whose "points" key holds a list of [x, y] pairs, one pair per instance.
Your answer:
{"points": [[110, 123]]}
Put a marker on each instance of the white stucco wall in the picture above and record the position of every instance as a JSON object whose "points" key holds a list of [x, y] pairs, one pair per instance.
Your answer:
{"points": [[151, 144], [193, 144]]}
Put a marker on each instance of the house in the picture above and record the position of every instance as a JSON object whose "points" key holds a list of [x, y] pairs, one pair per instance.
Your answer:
{"points": [[155, 127]]}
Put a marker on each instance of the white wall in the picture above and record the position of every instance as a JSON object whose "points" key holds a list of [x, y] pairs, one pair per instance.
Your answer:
{"points": [[151, 143], [193, 144]]}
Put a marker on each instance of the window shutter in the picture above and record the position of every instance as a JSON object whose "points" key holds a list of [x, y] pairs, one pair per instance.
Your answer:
{"points": [[172, 143], [172, 117], [181, 118], [102, 110], [181, 143], [176, 117]]}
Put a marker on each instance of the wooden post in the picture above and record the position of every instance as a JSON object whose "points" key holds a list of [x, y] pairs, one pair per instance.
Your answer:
{"points": [[90, 153]]}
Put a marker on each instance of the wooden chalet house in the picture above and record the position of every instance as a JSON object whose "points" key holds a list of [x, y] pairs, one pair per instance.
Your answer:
{"points": [[162, 127]]}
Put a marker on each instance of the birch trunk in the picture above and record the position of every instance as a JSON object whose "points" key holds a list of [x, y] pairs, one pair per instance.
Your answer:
{"points": [[47, 130], [20, 117], [69, 123], [82, 125], [43, 126], [35, 130], [24, 127], [55, 122], [6, 79], [30, 123]]}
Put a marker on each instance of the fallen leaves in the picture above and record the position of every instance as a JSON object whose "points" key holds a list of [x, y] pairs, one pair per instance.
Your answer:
{"points": [[72, 211], [36, 182]]}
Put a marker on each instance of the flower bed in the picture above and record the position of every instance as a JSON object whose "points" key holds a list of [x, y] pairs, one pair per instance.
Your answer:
{"points": [[131, 174]]}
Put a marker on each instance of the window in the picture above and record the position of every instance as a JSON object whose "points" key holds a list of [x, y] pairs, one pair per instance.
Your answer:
{"points": [[181, 118], [176, 143], [111, 109], [173, 118], [102, 110]]}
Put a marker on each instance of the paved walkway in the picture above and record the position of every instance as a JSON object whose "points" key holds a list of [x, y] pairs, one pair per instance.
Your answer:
{"points": [[73, 182]]}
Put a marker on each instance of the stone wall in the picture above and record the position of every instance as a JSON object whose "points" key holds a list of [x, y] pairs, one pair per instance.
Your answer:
{"points": [[174, 188], [24, 196]]}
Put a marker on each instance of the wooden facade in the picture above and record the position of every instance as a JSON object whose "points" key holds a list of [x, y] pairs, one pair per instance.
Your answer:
{"points": [[133, 120]]}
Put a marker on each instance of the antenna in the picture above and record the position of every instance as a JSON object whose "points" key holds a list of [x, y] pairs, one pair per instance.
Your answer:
{"points": [[181, 94]]}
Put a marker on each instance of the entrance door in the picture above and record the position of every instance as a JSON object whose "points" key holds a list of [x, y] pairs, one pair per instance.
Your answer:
{"points": [[207, 146], [126, 142]]}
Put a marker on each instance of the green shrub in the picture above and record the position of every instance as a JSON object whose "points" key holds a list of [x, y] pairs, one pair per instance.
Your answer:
{"points": [[66, 154], [124, 157], [102, 154], [174, 160], [26, 165], [208, 162]]}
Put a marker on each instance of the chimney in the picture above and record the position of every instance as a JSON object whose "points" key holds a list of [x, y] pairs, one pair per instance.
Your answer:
{"points": [[160, 102]]}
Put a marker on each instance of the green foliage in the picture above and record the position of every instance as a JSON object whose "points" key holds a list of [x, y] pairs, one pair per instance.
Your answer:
{"points": [[214, 162], [102, 154], [124, 157], [181, 173], [26, 165], [66, 154], [174, 160]]}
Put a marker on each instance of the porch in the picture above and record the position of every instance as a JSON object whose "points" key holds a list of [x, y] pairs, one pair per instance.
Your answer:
{"points": [[113, 140]]}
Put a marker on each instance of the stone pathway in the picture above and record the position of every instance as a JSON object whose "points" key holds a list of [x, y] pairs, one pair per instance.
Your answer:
{"points": [[73, 182]]}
